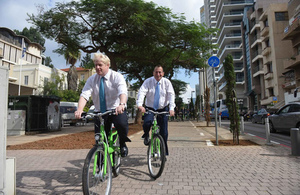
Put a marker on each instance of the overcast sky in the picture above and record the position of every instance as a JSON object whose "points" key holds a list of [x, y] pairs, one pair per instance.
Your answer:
{"points": [[13, 15]]}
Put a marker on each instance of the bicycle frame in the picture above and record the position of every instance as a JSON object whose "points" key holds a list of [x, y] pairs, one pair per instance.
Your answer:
{"points": [[155, 128], [107, 143]]}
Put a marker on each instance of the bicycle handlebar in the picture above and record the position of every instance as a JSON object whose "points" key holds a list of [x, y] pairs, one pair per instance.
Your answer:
{"points": [[155, 112], [99, 114]]}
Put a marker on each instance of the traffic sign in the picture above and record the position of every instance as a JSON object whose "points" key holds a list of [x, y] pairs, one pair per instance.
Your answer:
{"points": [[213, 61]]}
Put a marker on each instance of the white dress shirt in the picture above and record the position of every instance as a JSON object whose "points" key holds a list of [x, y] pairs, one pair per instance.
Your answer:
{"points": [[167, 94], [114, 85]]}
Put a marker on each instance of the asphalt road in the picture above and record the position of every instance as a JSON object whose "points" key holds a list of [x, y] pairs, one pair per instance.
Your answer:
{"points": [[259, 130]]}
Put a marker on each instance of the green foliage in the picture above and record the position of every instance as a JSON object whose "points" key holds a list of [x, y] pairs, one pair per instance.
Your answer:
{"points": [[48, 62], [71, 55], [69, 96], [130, 103], [54, 86], [87, 62], [231, 100], [33, 35], [136, 35], [179, 87]]}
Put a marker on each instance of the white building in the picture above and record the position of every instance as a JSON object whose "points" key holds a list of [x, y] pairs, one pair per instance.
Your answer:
{"points": [[27, 74]]}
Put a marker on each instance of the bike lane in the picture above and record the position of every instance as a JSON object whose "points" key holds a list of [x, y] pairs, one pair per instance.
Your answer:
{"points": [[192, 167]]}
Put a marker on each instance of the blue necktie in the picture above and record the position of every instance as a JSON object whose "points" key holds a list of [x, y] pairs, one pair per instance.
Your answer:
{"points": [[102, 96], [156, 97]]}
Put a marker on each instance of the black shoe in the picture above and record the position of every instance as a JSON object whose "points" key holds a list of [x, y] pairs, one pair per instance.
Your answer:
{"points": [[124, 150], [146, 140]]}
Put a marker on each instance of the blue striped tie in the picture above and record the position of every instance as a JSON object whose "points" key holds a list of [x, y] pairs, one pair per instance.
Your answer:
{"points": [[156, 97], [102, 96]]}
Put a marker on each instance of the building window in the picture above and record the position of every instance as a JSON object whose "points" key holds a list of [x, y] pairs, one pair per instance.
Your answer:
{"points": [[281, 16], [25, 80], [46, 80], [271, 92], [298, 49], [268, 43], [269, 68], [266, 23]]}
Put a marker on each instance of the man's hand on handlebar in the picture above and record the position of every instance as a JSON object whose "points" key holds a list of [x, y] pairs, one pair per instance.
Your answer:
{"points": [[142, 109], [78, 114], [172, 113]]}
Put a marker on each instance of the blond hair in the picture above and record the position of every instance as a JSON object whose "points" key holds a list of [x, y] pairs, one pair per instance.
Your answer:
{"points": [[104, 58]]}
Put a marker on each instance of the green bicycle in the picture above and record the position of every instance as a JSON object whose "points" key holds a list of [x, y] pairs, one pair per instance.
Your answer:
{"points": [[102, 161], [156, 154]]}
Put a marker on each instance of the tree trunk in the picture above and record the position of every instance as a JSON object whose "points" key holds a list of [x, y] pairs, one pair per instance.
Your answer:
{"points": [[72, 78], [138, 117]]}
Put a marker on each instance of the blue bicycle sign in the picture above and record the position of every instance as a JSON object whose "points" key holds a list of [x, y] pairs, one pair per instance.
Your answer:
{"points": [[213, 61]]}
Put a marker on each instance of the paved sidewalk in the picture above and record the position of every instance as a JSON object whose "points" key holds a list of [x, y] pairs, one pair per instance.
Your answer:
{"points": [[192, 167]]}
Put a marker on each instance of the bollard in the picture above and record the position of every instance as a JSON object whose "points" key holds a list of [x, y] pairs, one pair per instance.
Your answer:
{"points": [[242, 126], [267, 127], [295, 141]]}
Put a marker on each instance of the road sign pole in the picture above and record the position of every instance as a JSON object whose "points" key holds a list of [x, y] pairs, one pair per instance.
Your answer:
{"points": [[215, 103], [214, 61]]}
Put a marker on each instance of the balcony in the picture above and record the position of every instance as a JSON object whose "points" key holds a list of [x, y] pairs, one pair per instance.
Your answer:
{"points": [[257, 71], [256, 42], [293, 30], [267, 60], [266, 101], [252, 16], [292, 62], [266, 51], [257, 57], [268, 75], [269, 84], [289, 85], [256, 26], [265, 32]]}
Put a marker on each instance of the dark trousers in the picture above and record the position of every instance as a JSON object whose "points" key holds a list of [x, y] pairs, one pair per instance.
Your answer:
{"points": [[120, 122], [162, 121]]}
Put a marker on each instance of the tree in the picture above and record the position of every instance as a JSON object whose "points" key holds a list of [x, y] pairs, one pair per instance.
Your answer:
{"points": [[134, 34], [54, 86], [87, 62], [231, 101], [48, 62], [32, 34], [71, 55], [207, 105]]}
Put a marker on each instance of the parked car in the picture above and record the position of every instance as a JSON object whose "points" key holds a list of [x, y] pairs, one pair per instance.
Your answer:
{"points": [[285, 118], [67, 110], [260, 116]]}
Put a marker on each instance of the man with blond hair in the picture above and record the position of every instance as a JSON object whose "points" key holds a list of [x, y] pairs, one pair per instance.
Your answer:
{"points": [[114, 89]]}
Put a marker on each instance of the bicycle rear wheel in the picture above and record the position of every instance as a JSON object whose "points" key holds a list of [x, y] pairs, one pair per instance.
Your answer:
{"points": [[116, 158], [156, 156], [94, 178]]}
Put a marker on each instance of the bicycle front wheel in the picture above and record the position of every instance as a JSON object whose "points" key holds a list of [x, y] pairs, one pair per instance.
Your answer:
{"points": [[95, 178], [156, 156]]}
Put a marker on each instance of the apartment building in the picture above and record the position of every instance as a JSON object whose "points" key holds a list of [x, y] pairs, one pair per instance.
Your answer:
{"points": [[27, 73], [292, 62], [82, 73], [264, 52], [227, 15]]}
